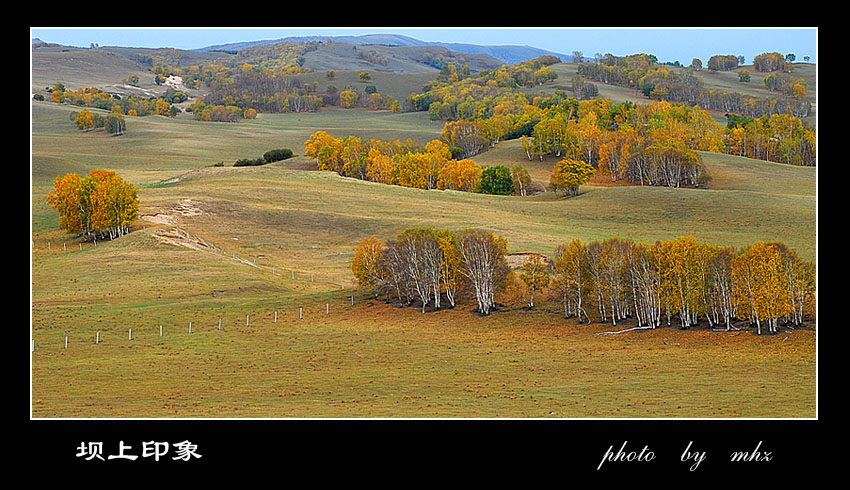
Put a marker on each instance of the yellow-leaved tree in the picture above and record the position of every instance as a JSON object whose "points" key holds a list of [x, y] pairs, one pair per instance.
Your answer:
{"points": [[100, 205], [568, 175]]}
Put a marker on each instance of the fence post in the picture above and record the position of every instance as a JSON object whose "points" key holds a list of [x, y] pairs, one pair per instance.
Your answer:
{"points": [[130, 335], [190, 327], [300, 313], [219, 323], [327, 308], [97, 339], [160, 330], [275, 317], [66, 341]]}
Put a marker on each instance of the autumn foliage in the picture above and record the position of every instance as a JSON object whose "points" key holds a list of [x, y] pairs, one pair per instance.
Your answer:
{"points": [[422, 266], [648, 144], [568, 175], [677, 282], [99, 205], [93, 97], [408, 164]]}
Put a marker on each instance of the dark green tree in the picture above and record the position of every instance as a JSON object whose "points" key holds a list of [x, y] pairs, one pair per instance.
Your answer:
{"points": [[496, 180]]}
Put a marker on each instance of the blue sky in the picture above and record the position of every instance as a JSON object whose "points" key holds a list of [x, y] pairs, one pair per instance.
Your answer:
{"points": [[668, 44]]}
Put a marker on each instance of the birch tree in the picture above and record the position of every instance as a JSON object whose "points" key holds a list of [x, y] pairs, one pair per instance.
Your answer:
{"points": [[535, 275], [483, 263]]}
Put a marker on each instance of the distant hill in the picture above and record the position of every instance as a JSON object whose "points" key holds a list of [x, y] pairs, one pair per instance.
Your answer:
{"points": [[342, 56], [507, 54]]}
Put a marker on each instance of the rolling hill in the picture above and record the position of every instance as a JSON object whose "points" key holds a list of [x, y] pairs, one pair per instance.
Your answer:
{"points": [[507, 54], [215, 245], [370, 359]]}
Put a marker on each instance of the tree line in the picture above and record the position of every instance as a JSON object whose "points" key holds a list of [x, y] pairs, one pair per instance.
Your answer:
{"points": [[423, 265], [673, 282], [97, 206], [93, 97], [640, 72], [113, 123], [481, 113], [434, 165], [409, 164], [202, 111], [765, 283], [656, 143]]}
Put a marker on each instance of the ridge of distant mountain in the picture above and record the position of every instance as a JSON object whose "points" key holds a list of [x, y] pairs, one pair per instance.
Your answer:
{"points": [[509, 54]]}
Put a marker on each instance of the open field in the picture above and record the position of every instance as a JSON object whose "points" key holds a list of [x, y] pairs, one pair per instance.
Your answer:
{"points": [[369, 359]]}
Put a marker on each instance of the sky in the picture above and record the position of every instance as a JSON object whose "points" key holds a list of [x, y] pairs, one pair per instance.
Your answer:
{"points": [[667, 44]]}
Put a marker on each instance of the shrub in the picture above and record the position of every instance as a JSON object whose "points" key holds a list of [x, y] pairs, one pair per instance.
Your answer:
{"points": [[249, 162], [277, 155]]}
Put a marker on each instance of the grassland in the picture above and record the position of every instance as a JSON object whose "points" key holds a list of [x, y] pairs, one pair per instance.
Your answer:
{"points": [[370, 359]]}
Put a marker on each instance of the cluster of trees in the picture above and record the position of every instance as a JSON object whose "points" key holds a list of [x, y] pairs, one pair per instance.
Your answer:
{"points": [[657, 143], [785, 83], [113, 123], [132, 80], [410, 164], [350, 97], [459, 95], [763, 283], [651, 144], [97, 206], [263, 91], [280, 59], [660, 139], [373, 57], [584, 89], [259, 78], [641, 73], [767, 62], [423, 265], [725, 62], [440, 58], [778, 138], [679, 280], [213, 75], [618, 70], [219, 113], [284, 57], [93, 97]]}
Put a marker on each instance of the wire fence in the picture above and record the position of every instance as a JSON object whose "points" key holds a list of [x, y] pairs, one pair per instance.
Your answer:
{"points": [[202, 245]]}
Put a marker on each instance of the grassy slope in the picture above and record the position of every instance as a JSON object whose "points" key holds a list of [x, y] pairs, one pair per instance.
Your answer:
{"points": [[369, 359]]}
